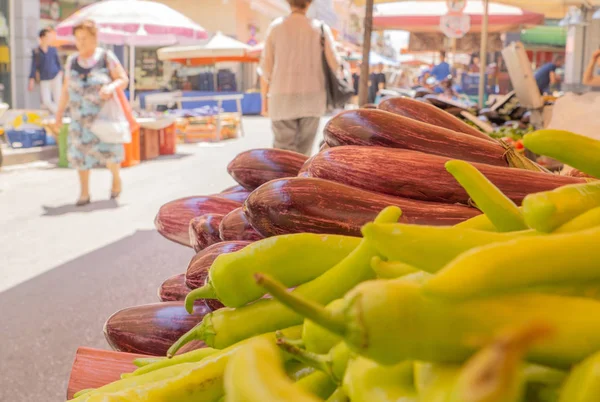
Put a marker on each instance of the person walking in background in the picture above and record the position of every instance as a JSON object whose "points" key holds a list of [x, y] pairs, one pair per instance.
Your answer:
{"points": [[441, 71], [47, 70], [474, 64], [590, 77], [292, 77], [545, 76], [377, 82], [92, 75]]}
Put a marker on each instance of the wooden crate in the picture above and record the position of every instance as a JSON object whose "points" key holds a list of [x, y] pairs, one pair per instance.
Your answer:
{"points": [[149, 144]]}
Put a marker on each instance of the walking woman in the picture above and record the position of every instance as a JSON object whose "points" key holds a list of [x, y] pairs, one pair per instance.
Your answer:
{"points": [[292, 77], [92, 75]]}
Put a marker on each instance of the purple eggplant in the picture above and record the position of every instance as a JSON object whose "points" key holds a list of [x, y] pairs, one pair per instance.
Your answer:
{"points": [[204, 231], [235, 226], [151, 329], [173, 289], [173, 218]]}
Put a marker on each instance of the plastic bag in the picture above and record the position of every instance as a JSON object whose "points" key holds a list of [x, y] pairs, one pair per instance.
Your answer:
{"points": [[111, 124], [577, 113]]}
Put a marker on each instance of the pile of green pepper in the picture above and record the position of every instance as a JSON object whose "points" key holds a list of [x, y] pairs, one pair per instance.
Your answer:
{"points": [[502, 308]]}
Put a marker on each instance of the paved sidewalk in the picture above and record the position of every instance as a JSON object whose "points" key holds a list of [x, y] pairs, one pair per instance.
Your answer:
{"points": [[64, 270]]}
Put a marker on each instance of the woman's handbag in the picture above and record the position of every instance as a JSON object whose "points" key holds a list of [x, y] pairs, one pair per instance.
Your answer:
{"points": [[338, 90], [111, 125]]}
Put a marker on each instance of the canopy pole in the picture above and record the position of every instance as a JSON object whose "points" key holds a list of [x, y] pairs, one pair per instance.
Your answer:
{"points": [[131, 73], [363, 91], [483, 53]]}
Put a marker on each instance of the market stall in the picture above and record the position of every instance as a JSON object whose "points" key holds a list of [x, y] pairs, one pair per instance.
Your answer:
{"points": [[425, 257]]}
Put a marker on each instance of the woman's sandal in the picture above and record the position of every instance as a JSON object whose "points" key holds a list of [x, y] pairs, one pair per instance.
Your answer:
{"points": [[115, 194], [82, 201]]}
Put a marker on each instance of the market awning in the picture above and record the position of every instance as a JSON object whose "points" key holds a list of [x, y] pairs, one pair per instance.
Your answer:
{"points": [[545, 36], [424, 16], [550, 8], [220, 48]]}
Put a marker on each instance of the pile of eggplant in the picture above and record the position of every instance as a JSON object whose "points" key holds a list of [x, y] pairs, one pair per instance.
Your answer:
{"points": [[372, 158]]}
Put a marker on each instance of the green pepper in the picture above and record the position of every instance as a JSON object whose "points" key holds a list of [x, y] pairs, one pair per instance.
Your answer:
{"points": [[318, 384], [218, 359], [583, 383], [430, 248], [339, 395], [367, 381], [479, 222], [392, 320], [548, 210], [584, 221], [500, 209], [230, 276], [575, 150], [189, 357], [82, 392], [391, 269], [144, 361], [333, 363], [255, 374], [561, 259], [317, 339], [227, 326]]}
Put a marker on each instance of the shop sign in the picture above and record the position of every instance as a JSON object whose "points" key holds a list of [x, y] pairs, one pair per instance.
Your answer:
{"points": [[456, 6], [455, 25]]}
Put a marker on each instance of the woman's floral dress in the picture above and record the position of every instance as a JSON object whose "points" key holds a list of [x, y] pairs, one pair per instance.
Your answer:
{"points": [[86, 78]]}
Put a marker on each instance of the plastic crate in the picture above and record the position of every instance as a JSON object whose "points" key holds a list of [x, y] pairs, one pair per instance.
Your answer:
{"points": [[27, 138], [149, 143], [132, 150]]}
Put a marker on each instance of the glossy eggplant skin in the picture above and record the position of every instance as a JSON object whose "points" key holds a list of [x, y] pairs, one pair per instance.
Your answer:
{"points": [[300, 204], [237, 196], [173, 289], [204, 231], [258, 166], [233, 189], [430, 114], [371, 127], [235, 226], [151, 329], [421, 176], [173, 218], [197, 270]]}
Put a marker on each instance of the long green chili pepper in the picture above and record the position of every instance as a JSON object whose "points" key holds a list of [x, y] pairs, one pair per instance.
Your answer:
{"points": [[575, 150], [339, 395], [479, 222], [230, 276], [227, 326], [391, 320], [189, 357], [367, 381], [318, 384], [317, 339], [494, 373], [430, 248], [255, 374], [391, 269], [333, 363], [167, 373], [548, 210], [562, 259], [82, 392], [502, 211], [584, 221], [144, 361], [583, 383]]}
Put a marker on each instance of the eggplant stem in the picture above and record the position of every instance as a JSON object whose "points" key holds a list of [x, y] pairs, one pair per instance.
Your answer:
{"points": [[309, 309], [204, 292]]}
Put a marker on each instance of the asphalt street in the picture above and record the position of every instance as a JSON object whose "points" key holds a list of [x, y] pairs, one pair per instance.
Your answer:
{"points": [[64, 270]]}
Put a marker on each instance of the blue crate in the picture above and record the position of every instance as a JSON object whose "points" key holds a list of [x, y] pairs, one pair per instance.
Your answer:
{"points": [[50, 140], [27, 138]]}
